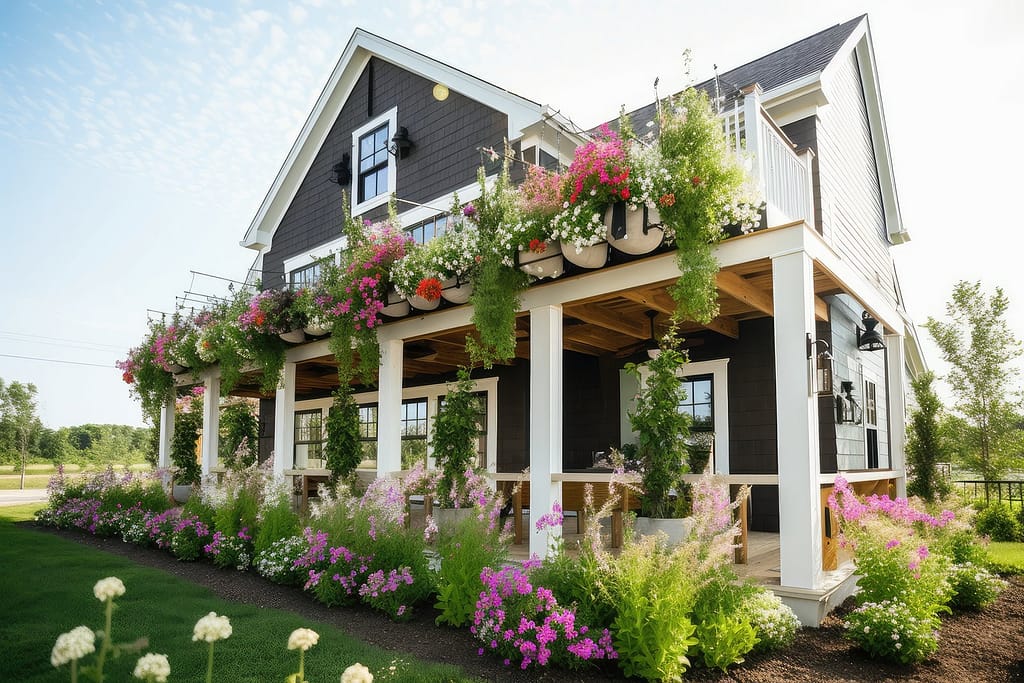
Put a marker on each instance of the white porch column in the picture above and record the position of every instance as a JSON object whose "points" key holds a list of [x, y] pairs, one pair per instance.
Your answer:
{"points": [[800, 545], [895, 371], [545, 420], [211, 421], [166, 432], [284, 421], [389, 407]]}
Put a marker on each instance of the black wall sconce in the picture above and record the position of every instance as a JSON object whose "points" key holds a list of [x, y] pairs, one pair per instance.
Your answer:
{"points": [[401, 145], [847, 410], [869, 339], [341, 172], [823, 370]]}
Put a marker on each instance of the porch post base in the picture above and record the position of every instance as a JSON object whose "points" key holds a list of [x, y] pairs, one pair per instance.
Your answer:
{"points": [[812, 605]]}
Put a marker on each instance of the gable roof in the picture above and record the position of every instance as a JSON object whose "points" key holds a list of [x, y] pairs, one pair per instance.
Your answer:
{"points": [[361, 47], [788, 65], [804, 66]]}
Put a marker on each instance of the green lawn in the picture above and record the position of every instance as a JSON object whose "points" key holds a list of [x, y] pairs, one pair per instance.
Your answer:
{"points": [[1006, 554], [32, 481], [46, 583]]}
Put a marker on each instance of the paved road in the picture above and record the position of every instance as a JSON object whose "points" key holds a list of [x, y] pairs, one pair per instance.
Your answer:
{"points": [[19, 497]]}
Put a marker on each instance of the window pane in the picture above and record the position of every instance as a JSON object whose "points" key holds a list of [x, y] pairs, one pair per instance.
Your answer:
{"points": [[365, 152], [369, 189], [701, 391], [382, 180], [702, 416], [380, 138]]}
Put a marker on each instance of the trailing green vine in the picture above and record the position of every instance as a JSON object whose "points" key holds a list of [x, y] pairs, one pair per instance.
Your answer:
{"points": [[344, 450]]}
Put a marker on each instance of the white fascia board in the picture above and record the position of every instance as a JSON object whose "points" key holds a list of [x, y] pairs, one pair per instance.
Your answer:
{"points": [[360, 48]]}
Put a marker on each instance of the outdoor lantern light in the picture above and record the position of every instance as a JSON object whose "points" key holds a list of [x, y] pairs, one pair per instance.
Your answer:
{"points": [[440, 92], [869, 339], [653, 347], [400, 143], [341, 172], [823, 372]]}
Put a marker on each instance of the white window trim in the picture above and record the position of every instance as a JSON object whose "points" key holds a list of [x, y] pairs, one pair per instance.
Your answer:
{"points": [[391, 118], [719, 371], [431, 392]]}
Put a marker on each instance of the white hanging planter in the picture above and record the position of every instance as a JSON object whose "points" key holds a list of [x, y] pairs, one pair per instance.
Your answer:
{"points": [[421, 304], [317, 327], [594, 256], [548, 263], [677, 530], [456, 292], [397, 305], [293, 337], [633, 231]]}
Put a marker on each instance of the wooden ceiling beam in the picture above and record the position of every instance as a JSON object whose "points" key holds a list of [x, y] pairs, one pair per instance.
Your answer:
{"points": [[661, 301], [739, 288], [595, 315]]}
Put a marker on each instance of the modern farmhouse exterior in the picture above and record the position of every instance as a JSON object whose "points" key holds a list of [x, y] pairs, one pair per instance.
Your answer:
{"points": [[816, 275]]}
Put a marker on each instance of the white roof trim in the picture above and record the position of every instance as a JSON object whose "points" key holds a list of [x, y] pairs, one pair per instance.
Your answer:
{"points": [[361, 46], [859, 42]]}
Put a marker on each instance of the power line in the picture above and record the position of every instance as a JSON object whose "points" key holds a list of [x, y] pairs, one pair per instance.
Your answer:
{"points": [[59, 339], [55, 360]]}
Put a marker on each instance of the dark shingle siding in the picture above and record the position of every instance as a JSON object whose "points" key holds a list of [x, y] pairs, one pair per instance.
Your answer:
{"points": [[446, 136]]}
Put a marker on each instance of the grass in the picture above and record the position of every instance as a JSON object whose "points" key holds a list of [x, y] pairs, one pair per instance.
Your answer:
{"points": [[10, 482], [47, 581], [1007, 555]]}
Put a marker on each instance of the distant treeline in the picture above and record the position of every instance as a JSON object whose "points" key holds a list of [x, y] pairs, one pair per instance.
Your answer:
{"points": [[89, 443]]}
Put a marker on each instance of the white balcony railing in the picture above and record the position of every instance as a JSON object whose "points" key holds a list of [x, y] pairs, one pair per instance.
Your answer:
{"points": [[782, 175]]}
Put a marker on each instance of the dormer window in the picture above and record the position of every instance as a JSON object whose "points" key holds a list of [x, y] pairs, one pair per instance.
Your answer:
{"points": [[374, 179]]}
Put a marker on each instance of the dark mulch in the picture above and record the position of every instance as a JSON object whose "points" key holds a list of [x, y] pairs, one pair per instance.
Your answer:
{"points": [[981, 648]]}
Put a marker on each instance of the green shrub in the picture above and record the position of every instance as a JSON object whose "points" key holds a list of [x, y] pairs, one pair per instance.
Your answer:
{"points": [[277, 521], [188, 538], [463, 554], [654, 593], [974, 587], [578, 581], [724, 633], [894, 630], [998, 522]]}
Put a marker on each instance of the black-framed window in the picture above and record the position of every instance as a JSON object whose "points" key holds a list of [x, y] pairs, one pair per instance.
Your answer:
{"points": [[428, 229], [699, 402], [307, 276], [368, 435], [870, 403], [373, 163], [309, 439], [481, 425], [414, 432]]}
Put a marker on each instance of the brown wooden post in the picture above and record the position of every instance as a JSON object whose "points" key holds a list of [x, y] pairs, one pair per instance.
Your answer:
{"points": [[517, 515], [740, 553]]}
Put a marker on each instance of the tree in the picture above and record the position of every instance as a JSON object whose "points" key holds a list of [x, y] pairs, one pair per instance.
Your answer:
{"points": [[925, 443], [18, 409], [977, 343]]}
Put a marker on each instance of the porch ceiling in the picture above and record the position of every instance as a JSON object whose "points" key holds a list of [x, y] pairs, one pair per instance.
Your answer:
{"points": [[615, 325]]}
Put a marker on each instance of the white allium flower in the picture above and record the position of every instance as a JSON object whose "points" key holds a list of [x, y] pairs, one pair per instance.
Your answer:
{"points": [[75, 644], [152, 666], [303, 639], [212, 628], [110, 587], [357, 673]]}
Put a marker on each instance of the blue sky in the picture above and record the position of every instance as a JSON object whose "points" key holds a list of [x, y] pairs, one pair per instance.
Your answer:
{"points": [[138, 138]]}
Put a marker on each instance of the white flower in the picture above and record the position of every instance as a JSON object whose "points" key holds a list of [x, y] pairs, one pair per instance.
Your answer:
{"points": [[357, 673], [153, 667], [867, 629], [75, 644], [303, 639], [211, 628], [108, 588]]}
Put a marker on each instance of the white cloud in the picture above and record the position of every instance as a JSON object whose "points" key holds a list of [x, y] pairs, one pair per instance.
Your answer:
{"points": [[297, 13]]}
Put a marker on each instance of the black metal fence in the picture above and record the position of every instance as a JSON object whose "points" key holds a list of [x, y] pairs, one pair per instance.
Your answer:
{"points": [[1009, 491]]}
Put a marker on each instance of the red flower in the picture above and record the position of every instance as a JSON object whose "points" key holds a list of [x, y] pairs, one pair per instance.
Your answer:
{"points": [[260, 318], [538, 246], [667, 199], [695, 180], [429, 289], [624, 193], [128, 377]]}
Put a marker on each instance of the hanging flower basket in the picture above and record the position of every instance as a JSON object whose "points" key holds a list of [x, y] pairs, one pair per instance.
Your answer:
{"points": [[397, 305], [542, 260], [422, 304], [317, 327], [456, 292], [293, 337], [594, 256], [633, 230]]}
